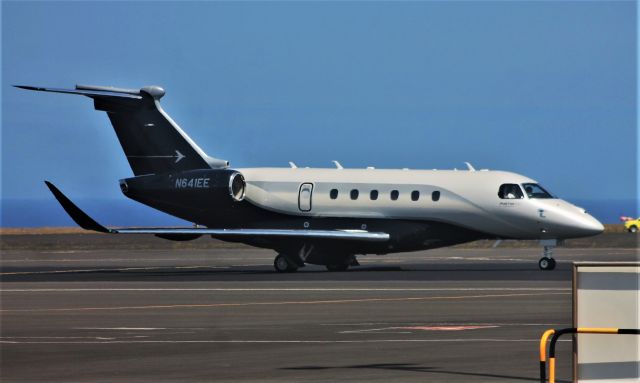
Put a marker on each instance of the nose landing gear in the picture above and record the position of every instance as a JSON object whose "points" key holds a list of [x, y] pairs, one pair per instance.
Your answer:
{"points": [[547, 262]]}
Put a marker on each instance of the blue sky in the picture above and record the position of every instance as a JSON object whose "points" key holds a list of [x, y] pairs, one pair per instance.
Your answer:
{"points": [[546, 89]]}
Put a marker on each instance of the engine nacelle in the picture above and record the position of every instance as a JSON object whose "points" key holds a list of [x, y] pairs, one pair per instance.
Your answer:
{"points": [[237, 186], [189, 193]]}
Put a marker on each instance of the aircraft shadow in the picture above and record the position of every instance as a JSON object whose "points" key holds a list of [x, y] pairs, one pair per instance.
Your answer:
{"points": [[265, 273]]}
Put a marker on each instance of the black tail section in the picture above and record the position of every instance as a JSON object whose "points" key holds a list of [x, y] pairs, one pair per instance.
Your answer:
{"points": [[151, 140]]}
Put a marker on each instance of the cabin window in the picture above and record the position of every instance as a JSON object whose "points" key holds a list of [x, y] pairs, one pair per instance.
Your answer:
{"points": [[333, 193], [394, 195], [510, 191], [536, 191], [435, 196], [415, 195], [373, 195], [354, 194]]}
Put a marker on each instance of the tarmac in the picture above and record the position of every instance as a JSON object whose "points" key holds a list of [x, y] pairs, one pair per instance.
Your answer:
{"points": [[223, 314]]}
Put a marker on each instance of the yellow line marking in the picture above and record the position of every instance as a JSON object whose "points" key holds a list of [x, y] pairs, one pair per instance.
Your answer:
{"points": [[210, 305]]}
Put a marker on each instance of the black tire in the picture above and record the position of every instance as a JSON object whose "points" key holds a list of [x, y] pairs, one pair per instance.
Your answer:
{"points": [[633, 229], [282, 265], [340, 267], [547, 263]]}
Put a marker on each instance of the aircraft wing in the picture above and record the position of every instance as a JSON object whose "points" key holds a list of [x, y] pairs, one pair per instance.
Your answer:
{"points": [[86, 222]]}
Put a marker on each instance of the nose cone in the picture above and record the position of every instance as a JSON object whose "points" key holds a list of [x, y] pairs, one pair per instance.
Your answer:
{"points": [[590, 226], [564, 220]]}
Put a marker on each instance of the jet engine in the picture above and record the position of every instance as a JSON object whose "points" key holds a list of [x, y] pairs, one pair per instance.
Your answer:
{"points": [[190, 193], [237, 186]]}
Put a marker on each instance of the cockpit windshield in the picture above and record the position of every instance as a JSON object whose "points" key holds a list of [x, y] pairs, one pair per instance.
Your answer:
{"points": [[536, 191], [510, 191]]}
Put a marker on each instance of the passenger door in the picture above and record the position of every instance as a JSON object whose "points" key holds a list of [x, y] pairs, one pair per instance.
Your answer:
{"points": [[304, 197]]}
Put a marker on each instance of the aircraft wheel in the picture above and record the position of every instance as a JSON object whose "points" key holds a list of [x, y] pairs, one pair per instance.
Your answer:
{"points": [[633, 229], [547, 263], [340, 267], [282, 265]]}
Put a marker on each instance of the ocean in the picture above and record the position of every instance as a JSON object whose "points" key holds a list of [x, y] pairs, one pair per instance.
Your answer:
{"points": [[124, 212]]}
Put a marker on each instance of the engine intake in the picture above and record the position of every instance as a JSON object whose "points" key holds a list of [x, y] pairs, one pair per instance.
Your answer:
{"points": [[237, 186]]}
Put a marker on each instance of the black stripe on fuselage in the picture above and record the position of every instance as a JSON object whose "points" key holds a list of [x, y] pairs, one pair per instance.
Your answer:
{"points": [[212, 206]]}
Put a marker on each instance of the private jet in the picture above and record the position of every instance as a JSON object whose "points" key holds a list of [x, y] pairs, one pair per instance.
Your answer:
{"points": [[321, 216]]}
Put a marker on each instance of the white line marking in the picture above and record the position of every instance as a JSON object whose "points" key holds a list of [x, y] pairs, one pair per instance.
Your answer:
{"points": [[418, 328], [446, 324], [54, 337], [287, 289], [281, 341], [121, 328]]}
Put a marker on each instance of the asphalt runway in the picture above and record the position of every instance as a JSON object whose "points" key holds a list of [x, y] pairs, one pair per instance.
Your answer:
{"points": [[449, 315]]}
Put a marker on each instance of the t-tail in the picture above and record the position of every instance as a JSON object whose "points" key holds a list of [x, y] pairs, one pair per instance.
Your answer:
{"points": [[151, 140]]}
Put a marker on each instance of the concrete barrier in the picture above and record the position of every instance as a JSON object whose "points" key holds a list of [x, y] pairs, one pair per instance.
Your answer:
{"points": [[606, 295]]}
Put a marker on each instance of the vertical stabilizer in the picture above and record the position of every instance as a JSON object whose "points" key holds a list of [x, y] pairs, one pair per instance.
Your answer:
{"points": [[151, 140]]}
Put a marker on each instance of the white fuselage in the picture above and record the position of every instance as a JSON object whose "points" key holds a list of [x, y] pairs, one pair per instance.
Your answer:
{"points": [[469, 199]]}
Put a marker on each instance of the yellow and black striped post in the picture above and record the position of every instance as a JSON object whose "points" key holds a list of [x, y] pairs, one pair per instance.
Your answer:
{"points": [[543, 354], [555, 334]]}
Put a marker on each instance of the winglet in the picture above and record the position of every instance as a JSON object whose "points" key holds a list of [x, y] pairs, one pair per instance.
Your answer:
{"points": [[470, 167], [79, 217]]}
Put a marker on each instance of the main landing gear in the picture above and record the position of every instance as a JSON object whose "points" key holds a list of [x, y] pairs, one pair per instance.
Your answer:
{"points": [[284, 265], [339, 267], [547, 262], [343, 264]]}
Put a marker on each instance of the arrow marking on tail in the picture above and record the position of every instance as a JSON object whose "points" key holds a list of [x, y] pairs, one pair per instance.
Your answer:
{"points": [[179, 156]]}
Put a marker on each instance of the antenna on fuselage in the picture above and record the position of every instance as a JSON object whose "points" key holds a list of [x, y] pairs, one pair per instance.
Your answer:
{"points": [[337, 164], [470, 167]]}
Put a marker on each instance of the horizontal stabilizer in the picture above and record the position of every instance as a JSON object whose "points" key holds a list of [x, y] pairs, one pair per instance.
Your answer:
{"points": [[88, 223], [88, 91]]}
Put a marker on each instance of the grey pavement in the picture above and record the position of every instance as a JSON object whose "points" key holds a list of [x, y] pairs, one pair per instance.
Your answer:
{"points": [[449, 315]]}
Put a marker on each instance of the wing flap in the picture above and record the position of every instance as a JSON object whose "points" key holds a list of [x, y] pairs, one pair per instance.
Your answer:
{"points": [[293, 233]]}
